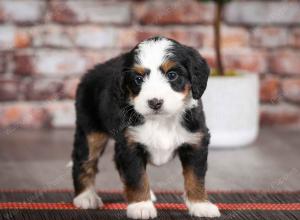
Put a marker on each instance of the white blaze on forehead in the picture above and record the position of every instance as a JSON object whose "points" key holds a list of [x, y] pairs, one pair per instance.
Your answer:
{"points": [[152, 53]]}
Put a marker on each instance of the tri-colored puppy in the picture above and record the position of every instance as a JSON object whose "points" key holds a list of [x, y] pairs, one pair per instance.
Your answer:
{"points": [[148, 101]]}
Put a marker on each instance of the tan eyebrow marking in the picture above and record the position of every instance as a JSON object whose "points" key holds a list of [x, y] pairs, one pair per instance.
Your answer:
{"points": [[139, 69], [167, 65]]}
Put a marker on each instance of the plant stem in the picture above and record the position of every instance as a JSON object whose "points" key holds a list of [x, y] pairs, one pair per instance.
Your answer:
{"points": [[217, 36]]}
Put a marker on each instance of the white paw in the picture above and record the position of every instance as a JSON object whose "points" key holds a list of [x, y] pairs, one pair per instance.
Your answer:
{"points": [[88, 200], [152, 196], [203, 209], [141, 210]]}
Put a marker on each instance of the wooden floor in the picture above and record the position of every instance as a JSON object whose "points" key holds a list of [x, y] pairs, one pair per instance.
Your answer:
{"points": [[37, 160]]}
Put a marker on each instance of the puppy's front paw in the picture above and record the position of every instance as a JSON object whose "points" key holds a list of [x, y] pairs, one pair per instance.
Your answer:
{"points": [[203, 209], [88, 200], [141, 210]]}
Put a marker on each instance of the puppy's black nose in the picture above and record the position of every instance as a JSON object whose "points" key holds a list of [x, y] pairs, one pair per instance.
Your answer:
{"points": [[155, 103]]}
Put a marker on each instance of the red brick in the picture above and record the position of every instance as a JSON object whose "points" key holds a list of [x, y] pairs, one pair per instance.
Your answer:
{"points": [[173, 12], [294, 38], [188, 36], [62, 113], [2, 63], [1, 15], [231, 37], [291, 90], [60, 12], [95, 37], [262, 12], [269, 89], [22, 40], [90, 11], [55, 114], [127, 37], [7, 37], [52, 36], [281, 114], [24, 64], [239, 59], [12, 38], [285, 62], [43, 89], [22, 12], [59, 63], [50, 62], [69, 88], [23, 115], [253, 62], [269, 37], [94, 57], [9, 89]]}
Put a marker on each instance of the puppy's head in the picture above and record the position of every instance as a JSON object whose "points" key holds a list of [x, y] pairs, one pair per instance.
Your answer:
{"points": [[163, 77]]}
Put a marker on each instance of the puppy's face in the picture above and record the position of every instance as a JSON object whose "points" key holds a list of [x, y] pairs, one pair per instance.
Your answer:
{"points": [[164, 77]]}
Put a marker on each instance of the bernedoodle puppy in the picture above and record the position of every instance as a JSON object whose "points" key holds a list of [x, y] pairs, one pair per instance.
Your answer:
{"points": [[149, 101]]}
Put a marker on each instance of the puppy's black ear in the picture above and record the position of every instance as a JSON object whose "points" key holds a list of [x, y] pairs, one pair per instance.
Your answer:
{"points": [[118, 84], [199, 71], [119, 89]]}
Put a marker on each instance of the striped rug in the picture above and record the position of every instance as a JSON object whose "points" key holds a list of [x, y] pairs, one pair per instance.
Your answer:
{"points": [[57, 204]]}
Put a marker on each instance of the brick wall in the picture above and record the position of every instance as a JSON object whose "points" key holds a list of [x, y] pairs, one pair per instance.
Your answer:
{"points": [[45, 46]]}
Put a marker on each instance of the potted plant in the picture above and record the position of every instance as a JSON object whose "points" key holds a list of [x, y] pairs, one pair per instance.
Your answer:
{"points": [[231, 100]]}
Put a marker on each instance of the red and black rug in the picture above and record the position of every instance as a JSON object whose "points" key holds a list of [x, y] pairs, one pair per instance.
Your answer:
{"points": [[57, 204]]}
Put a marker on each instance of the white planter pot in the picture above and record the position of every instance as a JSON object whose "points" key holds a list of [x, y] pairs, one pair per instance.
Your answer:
{"points": [[231, 107]]}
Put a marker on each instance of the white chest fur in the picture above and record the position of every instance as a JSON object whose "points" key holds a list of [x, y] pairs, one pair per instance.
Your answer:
{"points": [[162, 136]]}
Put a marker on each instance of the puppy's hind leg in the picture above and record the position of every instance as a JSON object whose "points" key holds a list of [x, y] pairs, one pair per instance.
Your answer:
{"points": [[87, 150]]}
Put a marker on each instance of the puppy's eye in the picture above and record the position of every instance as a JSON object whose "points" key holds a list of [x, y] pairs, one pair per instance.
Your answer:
{"points": [[172, 75], [138, 80]]}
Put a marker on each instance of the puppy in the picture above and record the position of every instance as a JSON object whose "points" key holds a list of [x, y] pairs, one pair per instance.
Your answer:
{"points": [[148, 101]]}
